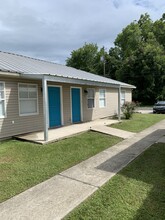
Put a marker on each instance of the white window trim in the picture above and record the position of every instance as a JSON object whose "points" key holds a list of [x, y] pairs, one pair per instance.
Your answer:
{"points": [[91, 98], [123, 99], [5, 115], [28, 114], [102, 99]]}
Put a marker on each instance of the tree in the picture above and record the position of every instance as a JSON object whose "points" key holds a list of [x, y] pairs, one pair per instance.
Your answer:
{"points": [[159, 30], [84, 58], [88, 58], [141, 58], [114, 62]]}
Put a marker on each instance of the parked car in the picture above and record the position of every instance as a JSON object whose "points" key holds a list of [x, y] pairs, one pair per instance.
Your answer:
{"points": [[159, 107]]}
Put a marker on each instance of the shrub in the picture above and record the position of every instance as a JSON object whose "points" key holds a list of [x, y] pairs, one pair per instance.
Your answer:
{"points": [[128, 109]]}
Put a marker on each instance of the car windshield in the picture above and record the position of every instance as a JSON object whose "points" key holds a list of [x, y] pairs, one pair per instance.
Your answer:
{"points": [[160, 104]]}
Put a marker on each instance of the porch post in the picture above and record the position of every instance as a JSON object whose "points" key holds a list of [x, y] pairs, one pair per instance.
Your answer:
{"points": [[119, 103], [45, 107]]}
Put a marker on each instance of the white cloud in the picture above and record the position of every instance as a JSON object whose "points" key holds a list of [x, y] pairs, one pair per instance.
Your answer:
{"points": [[51, 29]]}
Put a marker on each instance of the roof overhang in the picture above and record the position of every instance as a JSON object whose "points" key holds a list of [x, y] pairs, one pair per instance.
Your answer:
{"points": [[9, 74], [61, 79]]}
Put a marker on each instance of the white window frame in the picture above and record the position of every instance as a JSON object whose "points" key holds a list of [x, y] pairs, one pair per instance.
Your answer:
{"points": [[3, 99], [102, 98], [122, 98], [89, 98], [19, 99]]}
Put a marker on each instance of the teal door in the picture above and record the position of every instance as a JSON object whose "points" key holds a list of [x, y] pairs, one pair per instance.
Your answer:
{"points": [[76, 105], [54, 99]]}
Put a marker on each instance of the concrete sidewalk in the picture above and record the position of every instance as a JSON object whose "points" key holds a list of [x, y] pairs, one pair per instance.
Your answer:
{"points": [[112, 131], [56, 197], [66, 131]]}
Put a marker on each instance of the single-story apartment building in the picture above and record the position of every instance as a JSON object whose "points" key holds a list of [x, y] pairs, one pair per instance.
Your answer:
{"points": [[38, 95]]}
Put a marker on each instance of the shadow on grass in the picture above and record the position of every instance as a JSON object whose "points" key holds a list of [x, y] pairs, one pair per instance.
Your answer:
{"points": [[150, 169]]}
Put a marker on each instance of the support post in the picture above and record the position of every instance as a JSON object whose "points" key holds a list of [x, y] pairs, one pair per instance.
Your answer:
{"points": [[119, 103], [45, 107]]}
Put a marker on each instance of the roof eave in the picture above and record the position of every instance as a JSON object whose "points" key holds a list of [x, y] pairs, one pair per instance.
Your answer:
{"points": [[55, 78], [128, 86], [9, 73], [69, 80]]}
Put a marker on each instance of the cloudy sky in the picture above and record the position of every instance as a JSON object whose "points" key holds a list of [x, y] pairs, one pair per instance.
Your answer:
{"points": [[51, 29]]}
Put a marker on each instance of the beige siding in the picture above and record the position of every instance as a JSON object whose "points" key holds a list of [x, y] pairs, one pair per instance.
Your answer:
{"points": [[97, 112], [128, 94], [66, 104], [14, 124]]}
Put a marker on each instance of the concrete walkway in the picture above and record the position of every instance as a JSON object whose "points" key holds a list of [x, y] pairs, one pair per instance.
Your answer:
{"points": [[56, 197], [112, 131], [66, 131]]}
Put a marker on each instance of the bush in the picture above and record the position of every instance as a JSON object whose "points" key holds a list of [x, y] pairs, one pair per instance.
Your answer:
{"points": [[128, 109]]}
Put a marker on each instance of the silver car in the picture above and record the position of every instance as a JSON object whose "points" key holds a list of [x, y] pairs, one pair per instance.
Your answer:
{"points": [[159, 107]]}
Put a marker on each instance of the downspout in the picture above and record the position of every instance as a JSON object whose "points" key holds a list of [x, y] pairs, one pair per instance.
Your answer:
{"points": [[45, 107], [119, 103]]}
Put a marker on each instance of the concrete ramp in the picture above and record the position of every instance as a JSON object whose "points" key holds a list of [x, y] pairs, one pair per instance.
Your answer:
{"points": [[112, 131]]}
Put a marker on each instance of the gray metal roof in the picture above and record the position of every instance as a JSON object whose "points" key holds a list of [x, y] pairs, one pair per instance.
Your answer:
{"points": [[14, 63]]}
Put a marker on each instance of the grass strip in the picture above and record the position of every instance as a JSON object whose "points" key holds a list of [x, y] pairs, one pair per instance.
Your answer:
{"points": [[23, 164], [137, 192], [139, 122]]}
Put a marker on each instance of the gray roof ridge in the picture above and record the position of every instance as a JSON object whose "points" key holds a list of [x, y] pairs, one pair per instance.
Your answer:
{"points": [[31, 58]]}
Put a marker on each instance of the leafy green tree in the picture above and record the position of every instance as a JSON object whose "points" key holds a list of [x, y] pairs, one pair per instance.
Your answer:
{"points": [[89, 58], [114, 62], [102, 63], [84, 58], [141, 58], [159, 30], [129, 40]]}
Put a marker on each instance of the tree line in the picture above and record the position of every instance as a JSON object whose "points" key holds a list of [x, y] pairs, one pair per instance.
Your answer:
{"points": [[137, 58]]}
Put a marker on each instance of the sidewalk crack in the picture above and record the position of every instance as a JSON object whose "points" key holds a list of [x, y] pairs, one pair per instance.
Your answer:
{"points": [[86, 183]]}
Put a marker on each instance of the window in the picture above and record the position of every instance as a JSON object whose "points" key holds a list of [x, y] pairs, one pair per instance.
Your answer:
{"points": [[2, 100], [122, 98], [102, 101], [91, 98], [28, 99]]}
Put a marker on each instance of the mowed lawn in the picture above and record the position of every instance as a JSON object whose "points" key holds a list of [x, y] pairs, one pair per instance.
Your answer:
{"points": [[139, 122], [137, 192], [23, 164]]}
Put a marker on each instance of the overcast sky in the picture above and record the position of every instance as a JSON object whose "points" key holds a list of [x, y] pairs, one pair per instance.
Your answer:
{"points": [[51, 29]]}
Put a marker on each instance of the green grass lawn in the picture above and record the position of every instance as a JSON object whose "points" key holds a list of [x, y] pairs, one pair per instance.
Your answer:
{"points": [[24, 164], [137, 192], [139, 122]]}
